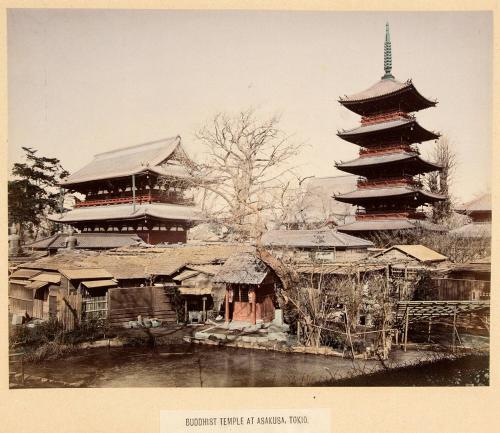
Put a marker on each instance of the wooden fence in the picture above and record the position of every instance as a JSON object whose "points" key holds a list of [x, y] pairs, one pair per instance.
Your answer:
{"points": [[95, 308], [461, 290], [20, 300]]}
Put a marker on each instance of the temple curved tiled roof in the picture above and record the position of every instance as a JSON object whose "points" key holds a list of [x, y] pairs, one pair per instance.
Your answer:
{"points": [[387, 158], [130, 160], [364, 135], [164, 211], [388, 91]]}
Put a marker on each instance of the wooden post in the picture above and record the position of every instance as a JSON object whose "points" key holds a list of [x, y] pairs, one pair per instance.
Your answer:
{"points": [[454, 329], [226, 317], [406, 328], [133, 193], [185, 310], [204, 299], [22, 369], [348, 331], [429, 330], [254, 308]]}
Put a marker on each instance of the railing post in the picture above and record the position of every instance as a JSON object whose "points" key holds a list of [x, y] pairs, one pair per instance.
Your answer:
{"points": [[133, 193], [406, 327]]}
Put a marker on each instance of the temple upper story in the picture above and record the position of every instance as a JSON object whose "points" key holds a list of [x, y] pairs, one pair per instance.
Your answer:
{"points": [[142, 189]]}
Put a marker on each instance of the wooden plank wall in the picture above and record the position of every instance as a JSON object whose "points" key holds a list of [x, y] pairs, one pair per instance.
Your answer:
{"points": [[64, 313], [20, 300], [461, 290], [125, 304]]}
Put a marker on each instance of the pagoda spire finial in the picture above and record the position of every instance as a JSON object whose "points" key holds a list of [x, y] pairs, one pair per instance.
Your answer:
{"points": [[387, 54]]}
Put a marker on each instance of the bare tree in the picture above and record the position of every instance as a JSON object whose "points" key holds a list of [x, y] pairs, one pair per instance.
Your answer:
{"points": [[440, 182], [245, 166]]}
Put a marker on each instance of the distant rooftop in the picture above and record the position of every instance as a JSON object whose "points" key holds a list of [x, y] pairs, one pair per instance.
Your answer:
{"points": [[325, 238], [87, 241], [418, 252], [479, 204], [473, 231], [139, 262], [319, 205]]}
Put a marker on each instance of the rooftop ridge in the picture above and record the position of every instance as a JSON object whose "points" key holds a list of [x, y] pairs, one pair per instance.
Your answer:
{"points": [[136, 146]]}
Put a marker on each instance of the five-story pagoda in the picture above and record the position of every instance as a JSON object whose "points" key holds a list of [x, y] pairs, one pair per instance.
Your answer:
{"points": [[389, 191]]}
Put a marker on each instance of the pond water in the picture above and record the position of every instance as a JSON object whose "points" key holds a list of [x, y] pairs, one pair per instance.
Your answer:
{"points": [[184, 365]]}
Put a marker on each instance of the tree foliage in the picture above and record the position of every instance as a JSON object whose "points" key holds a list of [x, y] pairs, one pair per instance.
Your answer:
{"points": [[33, 192]]}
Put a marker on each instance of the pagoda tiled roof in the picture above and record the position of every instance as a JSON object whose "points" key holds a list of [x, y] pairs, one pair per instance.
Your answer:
{"points": [[386, 158], [130, 160], [363, 135], [163, 211], [381, 92], [390, 224], [383, 87], [368, 193]]}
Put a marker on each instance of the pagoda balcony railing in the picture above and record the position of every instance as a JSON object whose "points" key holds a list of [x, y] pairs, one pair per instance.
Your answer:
{"points": [[385, 117], [389, 182], [388, 148], [362, 214], [139, 199]]}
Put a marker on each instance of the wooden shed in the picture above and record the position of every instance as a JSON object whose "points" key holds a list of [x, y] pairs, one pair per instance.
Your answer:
{"points": [[250, 289]]}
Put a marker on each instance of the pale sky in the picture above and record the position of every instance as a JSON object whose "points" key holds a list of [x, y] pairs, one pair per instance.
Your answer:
{"points": [[81, 82]]}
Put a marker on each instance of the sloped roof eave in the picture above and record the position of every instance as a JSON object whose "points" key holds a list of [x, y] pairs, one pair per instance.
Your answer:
{"points": [[367, 161], [123, 212], [419, 252], [369, 193], [124, 162], [384, 127]]}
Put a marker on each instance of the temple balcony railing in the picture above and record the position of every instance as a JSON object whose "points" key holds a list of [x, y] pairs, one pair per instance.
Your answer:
{"points": [[139, 199], [408, 181], [386, 117], [387, 148], [362, 214]]}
